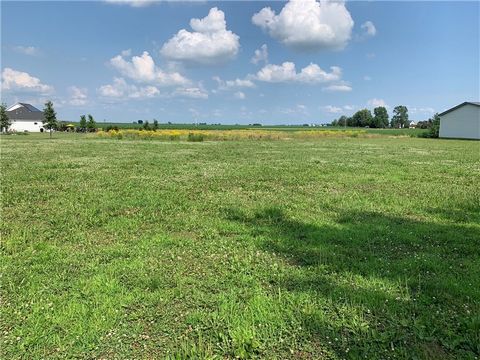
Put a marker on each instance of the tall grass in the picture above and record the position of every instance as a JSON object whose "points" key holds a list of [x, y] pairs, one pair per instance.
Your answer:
{"points": [[228, 135]]}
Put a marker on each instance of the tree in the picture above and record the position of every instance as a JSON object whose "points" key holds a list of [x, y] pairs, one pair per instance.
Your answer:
{"points": [[350, 121], [362, 118], [342, 120], [49, 117], [146, 125], [380, 118], [334, 122], [5, 122], [155, 125], [435, 129], [427, 124], [83, 123], [400, 117], [91, 124]]}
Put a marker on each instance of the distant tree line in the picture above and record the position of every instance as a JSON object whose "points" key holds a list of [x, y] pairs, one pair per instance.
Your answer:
{"points": [[379, 119]]}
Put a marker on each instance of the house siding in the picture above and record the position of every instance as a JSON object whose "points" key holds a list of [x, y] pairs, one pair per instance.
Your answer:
{"points": [[22, 126], [463, 123]]}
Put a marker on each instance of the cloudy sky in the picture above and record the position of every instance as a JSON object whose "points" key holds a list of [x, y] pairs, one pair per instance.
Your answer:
{"points": [[239, 62]]}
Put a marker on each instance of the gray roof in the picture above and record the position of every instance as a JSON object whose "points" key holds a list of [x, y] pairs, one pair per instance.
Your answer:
{"points": [[25, 112], [474, 103]]}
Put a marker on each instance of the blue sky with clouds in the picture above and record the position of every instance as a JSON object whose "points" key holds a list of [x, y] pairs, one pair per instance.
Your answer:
{"points": [[239, 62]]}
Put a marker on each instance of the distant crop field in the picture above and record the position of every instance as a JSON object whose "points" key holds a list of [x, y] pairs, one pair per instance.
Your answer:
{"points": [[306, 248], [399, 132]]}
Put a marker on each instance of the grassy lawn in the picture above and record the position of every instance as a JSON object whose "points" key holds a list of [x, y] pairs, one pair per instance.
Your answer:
{"points": [[312, 249]]}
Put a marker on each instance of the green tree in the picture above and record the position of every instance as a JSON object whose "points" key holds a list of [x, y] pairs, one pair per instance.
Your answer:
{"points": [[435, 129], [380, 118], [91, 124], [342, 120], [334, 122], [83, 123], [146, 125], [49, 117], [362, 118], [400, 117], [155, 125], [5, 122]]}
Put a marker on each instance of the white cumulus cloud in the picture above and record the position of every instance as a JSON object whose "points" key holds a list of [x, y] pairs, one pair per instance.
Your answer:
{"points": [[14, 80], [332, 109], [342, 87], [369, 29], [286, 72], [308, 24], [191, 92], [121, 89], [209, 43], [260, 55], [376, 103], [239, 95], [233, 84], [143, 69], [78, 96]]}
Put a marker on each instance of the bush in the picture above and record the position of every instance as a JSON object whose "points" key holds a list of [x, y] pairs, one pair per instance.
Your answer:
{"points": [[195, 137], [434, 129], [110, 128]]}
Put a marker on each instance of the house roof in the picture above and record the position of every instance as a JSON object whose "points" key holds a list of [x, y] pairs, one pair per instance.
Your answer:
{"points": [[24, 112], [25, 106], [460, 105]]}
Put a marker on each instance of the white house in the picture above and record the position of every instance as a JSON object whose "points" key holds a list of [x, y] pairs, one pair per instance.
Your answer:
{"points": [[25, 118], [461, 121]]}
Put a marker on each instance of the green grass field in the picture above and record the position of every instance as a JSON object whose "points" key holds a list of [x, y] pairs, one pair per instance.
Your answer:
{"points": [[328, 249]]}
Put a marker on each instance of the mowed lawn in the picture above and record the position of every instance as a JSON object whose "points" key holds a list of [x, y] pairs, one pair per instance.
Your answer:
{"points": [[327, 249]]}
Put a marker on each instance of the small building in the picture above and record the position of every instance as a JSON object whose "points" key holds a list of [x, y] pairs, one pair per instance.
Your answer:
{"points": [[461, 121], [25, 118]]}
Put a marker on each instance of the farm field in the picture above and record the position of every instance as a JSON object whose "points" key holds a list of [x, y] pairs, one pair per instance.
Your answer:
{"points": [[326, 248], [388, 131]]}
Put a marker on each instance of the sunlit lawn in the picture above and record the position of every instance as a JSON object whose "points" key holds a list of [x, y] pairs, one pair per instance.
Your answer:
{"points": [[326, 249]]}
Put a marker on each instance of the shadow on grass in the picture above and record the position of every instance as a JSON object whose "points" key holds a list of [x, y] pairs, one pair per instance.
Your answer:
{"points": [[382, 286]]}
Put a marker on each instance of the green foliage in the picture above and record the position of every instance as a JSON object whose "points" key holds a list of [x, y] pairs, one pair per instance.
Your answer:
{"points": [[83, 123], [400, 117], [343, 121], [155, 125], [110, 128], [5, 122], [380, 119], [62, 126], [425, 124], [49, 117], [362, 118], [146, 125], [91, 124], [232, 249], [195, 137], [435, 129]]}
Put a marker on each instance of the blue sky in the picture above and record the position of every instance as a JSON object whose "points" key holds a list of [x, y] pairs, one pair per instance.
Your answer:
{"points": [[129, 60]]}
